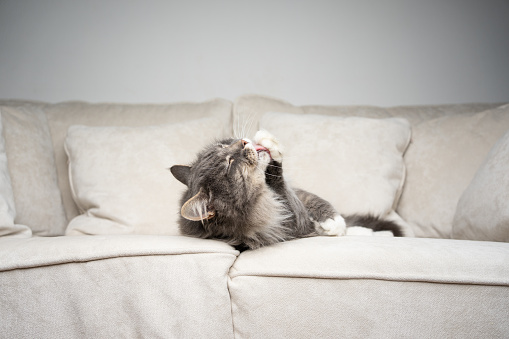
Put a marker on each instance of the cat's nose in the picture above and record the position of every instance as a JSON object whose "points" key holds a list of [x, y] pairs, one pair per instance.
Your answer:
{"points": [[244, 143]]}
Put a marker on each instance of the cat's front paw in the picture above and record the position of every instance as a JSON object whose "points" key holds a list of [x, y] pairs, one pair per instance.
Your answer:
{"points": [[333, 227], [268, 141]]}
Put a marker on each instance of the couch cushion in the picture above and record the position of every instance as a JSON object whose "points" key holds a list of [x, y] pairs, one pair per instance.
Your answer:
{"points": [[61, 116], [483, 210], [354, 163], [120, 179], [386, 258], [116, 286], [32, 168], [7, 207], [370, 287], [27, 253], [441, 161]]}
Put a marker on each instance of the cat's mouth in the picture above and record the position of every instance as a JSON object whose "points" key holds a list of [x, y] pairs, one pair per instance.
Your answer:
{"points": [[260, 148]]}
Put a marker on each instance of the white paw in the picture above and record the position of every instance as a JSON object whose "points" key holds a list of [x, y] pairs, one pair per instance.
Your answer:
{"points": [[263, 160], [268, 141], [334, 227]]}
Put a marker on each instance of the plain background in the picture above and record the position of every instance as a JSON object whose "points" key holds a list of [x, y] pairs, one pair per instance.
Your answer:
{"points": [[385, 52]]}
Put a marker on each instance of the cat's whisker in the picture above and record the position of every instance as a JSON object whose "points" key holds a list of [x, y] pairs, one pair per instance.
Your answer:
{"points": [[276, 166], [251, 121], [236, 127], [272, 175], [245, 126]]}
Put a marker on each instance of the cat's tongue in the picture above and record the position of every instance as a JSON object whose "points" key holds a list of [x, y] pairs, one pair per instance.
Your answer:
{"points": [[260, 148]]}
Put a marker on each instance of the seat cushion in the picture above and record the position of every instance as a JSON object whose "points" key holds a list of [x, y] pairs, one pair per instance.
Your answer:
{"points": [[118, 286], [370, 287]]}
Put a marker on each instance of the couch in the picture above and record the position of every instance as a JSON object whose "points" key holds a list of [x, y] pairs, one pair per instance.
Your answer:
{"points": [[90, 247]]}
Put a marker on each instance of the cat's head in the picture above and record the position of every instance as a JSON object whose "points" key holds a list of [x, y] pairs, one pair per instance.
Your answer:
{"points": [[225, 177]]}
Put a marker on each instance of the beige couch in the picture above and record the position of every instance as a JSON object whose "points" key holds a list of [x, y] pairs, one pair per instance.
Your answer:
{"points": [[89, 245]]}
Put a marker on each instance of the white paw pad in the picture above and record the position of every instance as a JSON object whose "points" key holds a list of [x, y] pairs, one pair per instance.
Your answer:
{"points": [[334, 227], [268, 141]]}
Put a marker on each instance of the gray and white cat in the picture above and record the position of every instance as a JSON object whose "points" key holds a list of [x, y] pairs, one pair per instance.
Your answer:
{"points": [[236, 192]]}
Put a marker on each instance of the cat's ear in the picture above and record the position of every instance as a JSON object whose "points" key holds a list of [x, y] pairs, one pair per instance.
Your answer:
{"points": [[198, 208], [181, 173]]}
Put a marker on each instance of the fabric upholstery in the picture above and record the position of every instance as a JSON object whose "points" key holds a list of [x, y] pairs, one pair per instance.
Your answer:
{"points": [[385, 258], [7, 207], [32, 167], [117, 286], [61, 116], [120, 178], [248, 109], [354, 163], [441, 161], [371, 287], [282, 307], [483, 209]]}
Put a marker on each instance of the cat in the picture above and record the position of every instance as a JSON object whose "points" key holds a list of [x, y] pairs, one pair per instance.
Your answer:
{"points": [[236, 192]]}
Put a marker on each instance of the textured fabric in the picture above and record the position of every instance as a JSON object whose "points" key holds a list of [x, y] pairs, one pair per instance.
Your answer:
{"points": [[281, 307], [483, 210], [441, 161], [61, 116], [33, 173], [248, 109], [386, 258], [115, 287], [26, 253], [7, 207], [372, 287], [120, 178], [354, 163]]}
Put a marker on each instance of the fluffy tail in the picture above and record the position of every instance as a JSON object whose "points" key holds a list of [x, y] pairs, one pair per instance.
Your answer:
{"points": [[374, 223]]}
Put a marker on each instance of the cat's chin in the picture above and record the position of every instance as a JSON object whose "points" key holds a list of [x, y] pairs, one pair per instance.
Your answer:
{"points": [[263, 157]]}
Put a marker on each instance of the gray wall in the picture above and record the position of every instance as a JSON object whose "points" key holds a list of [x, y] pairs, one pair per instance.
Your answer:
{"points": [[385, 52]]}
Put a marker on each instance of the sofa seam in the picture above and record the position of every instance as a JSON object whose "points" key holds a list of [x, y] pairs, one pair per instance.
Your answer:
{"points": [[93, 259], [373, 277], [228, 282]]}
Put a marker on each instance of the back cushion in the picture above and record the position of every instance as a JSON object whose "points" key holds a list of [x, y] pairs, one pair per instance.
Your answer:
{"points": [[62, 116], [430, 215], [32, 169], [248, 110], [7, 208], [354, 163], [442, 159]]}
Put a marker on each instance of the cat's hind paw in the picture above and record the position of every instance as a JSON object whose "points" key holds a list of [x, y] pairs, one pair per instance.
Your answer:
{"points": [[268, 141], [333, 227]]}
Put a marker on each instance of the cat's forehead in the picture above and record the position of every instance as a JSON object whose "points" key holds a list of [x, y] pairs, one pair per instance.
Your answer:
{"points": [[225, 142], [215, 150]]}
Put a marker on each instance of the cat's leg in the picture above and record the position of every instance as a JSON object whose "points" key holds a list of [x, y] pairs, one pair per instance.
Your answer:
{"points": [[298, 221], [326, 219]]}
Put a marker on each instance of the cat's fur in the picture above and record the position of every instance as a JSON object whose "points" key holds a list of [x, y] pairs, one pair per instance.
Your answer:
{"points": [[236, 192]]}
